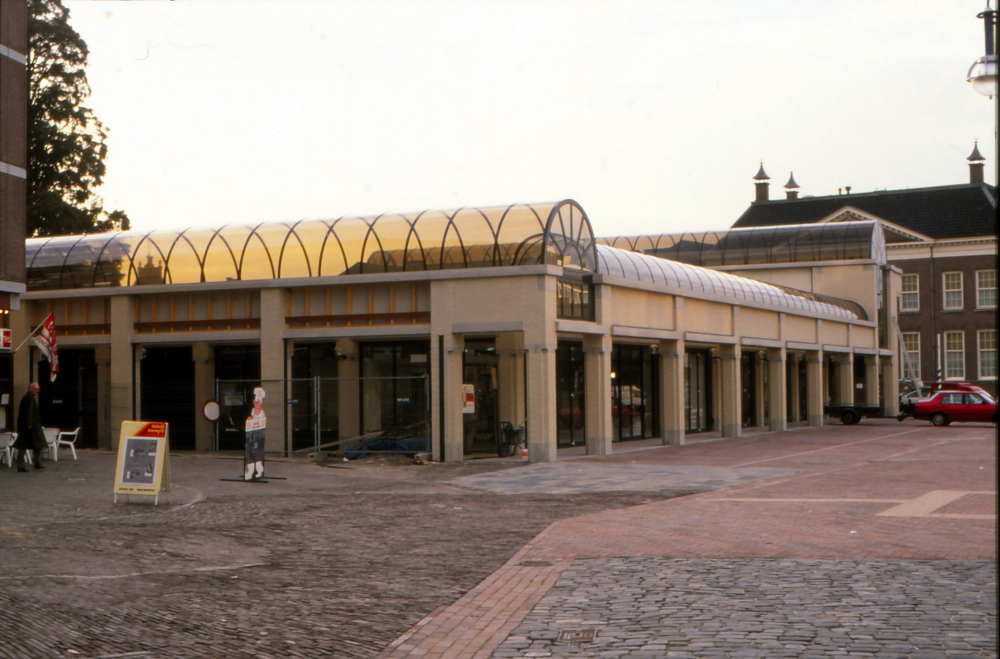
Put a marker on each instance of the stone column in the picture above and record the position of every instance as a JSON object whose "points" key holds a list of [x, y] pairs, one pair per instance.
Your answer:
{"points": [[348, 392], [776, 382], [510, 376], [730, 391], [760, 410], [597, 370], [272, 366], [454, 421], [871, 379], [814, 388], [672, 422], [890, 385], [102, 356], [542, 431], [845, 378], [792, 368], [203, 356], [123, 378]]}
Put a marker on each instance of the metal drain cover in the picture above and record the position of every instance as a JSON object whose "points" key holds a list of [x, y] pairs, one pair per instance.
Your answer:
{"points": [[536, 563], [577, 635]]}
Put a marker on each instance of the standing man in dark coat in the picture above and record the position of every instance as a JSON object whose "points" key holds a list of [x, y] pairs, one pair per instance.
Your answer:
{"points": [[29, 429]]}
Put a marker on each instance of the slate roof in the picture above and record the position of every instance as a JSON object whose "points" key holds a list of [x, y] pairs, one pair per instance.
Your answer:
{"points": [[951, 211]]}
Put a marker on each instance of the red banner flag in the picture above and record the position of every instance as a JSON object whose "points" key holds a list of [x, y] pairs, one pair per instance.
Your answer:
{"points": [[46, 342]]}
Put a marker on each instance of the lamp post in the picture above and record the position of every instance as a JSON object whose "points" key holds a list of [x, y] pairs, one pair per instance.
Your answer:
{"points": [[983, 72]]}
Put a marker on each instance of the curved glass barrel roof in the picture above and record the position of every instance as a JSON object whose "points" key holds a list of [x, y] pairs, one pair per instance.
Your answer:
{"points": [[831, 241], [642, 267], [520, 234]]}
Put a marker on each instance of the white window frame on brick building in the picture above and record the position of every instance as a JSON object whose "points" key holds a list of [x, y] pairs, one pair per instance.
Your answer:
{"points": [[954, 355], [910, 300], [987, 348], [911, 341], [951, 287], [986, 289]]}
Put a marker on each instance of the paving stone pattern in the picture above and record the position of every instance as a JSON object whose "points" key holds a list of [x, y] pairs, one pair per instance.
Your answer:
{"points": [[330, 563], [705, 608]]}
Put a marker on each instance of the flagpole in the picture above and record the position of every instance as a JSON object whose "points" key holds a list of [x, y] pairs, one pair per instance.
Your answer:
{"points": [[31, 335]]}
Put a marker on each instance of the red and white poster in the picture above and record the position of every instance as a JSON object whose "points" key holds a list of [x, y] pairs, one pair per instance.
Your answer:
{"points": [[4, 339], [46, 342]]}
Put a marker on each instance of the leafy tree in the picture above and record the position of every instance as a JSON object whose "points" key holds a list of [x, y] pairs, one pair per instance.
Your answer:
{"points": [[66, 148]]}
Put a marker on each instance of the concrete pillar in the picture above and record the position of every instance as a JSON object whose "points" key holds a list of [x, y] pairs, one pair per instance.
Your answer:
{"points": [[776, 382], [890, 385], [792, 368], [102, 356], [542, 431], [730, 391], [814, 388], [203, 356], [123, 376], [672, 422], [760, 409], [510, 376], [272, 367], [845, 378], [871, 379], [348, 392], [454, 422], [598, 427]]}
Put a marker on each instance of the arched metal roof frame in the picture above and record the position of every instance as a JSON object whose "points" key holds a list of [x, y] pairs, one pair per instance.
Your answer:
{"points": [[468, 237], [759, 245], [229, 250], [284, 243], [194, 250], [682, 275], [246, 243]]}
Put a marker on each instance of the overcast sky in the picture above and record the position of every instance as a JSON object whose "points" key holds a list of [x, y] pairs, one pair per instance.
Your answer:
{"points": [[653, 115]]}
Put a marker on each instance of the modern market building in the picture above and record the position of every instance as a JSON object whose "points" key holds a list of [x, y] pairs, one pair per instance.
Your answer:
{"points": [[583, 342]]}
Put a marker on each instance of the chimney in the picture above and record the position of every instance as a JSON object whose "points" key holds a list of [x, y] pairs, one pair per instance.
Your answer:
{"points": [[847, 189], [761, 183], [976, 163], [791, 188]]}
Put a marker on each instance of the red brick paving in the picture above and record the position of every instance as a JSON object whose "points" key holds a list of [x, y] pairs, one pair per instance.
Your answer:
{"points": [[830, 511]]}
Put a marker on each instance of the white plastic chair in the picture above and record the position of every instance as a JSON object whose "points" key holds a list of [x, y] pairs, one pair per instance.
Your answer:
{"points": [[52, 442], [7, 440], [67, 439]]}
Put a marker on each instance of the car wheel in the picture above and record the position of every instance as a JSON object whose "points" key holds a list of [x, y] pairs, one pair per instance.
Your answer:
{"points": [[849, 417], [939, 419]]}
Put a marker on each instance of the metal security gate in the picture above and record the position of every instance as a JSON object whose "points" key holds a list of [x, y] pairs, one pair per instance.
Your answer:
{"points": [[352, 416]]}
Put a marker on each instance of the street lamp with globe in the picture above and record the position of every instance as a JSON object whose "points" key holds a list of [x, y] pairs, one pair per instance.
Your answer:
{"points": [[983, 73]]}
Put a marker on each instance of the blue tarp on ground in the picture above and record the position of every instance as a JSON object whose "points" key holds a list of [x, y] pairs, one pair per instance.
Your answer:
{"points": [[409, 447]]}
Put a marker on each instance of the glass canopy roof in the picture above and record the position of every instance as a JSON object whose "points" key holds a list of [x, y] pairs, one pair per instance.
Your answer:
{"points": [[830, 241], [642, 267], [520, 234]]}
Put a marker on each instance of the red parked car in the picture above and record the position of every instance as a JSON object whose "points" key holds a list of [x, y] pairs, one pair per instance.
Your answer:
{"points": [[969, 404]]}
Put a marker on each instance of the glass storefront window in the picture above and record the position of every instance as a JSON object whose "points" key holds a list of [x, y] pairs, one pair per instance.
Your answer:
{"points": [[697, 391], [633, 392]]}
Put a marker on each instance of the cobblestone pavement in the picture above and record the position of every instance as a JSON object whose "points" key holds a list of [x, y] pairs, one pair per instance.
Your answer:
{"points": [[692, 607], [392, 560], [866, 504], [330, 563]]}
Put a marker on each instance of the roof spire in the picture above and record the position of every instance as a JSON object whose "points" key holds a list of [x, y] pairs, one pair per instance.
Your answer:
{"points": [[976, 156], [976, 165], [761, 174], [791, 188]]}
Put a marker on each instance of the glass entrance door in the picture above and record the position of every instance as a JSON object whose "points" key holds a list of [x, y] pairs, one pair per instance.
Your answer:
{"points": [[697, 391], [570, 397], [479, 368]]}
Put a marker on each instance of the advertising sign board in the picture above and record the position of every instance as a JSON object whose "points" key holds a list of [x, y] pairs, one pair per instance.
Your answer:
{"points": [[143, 459]]}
